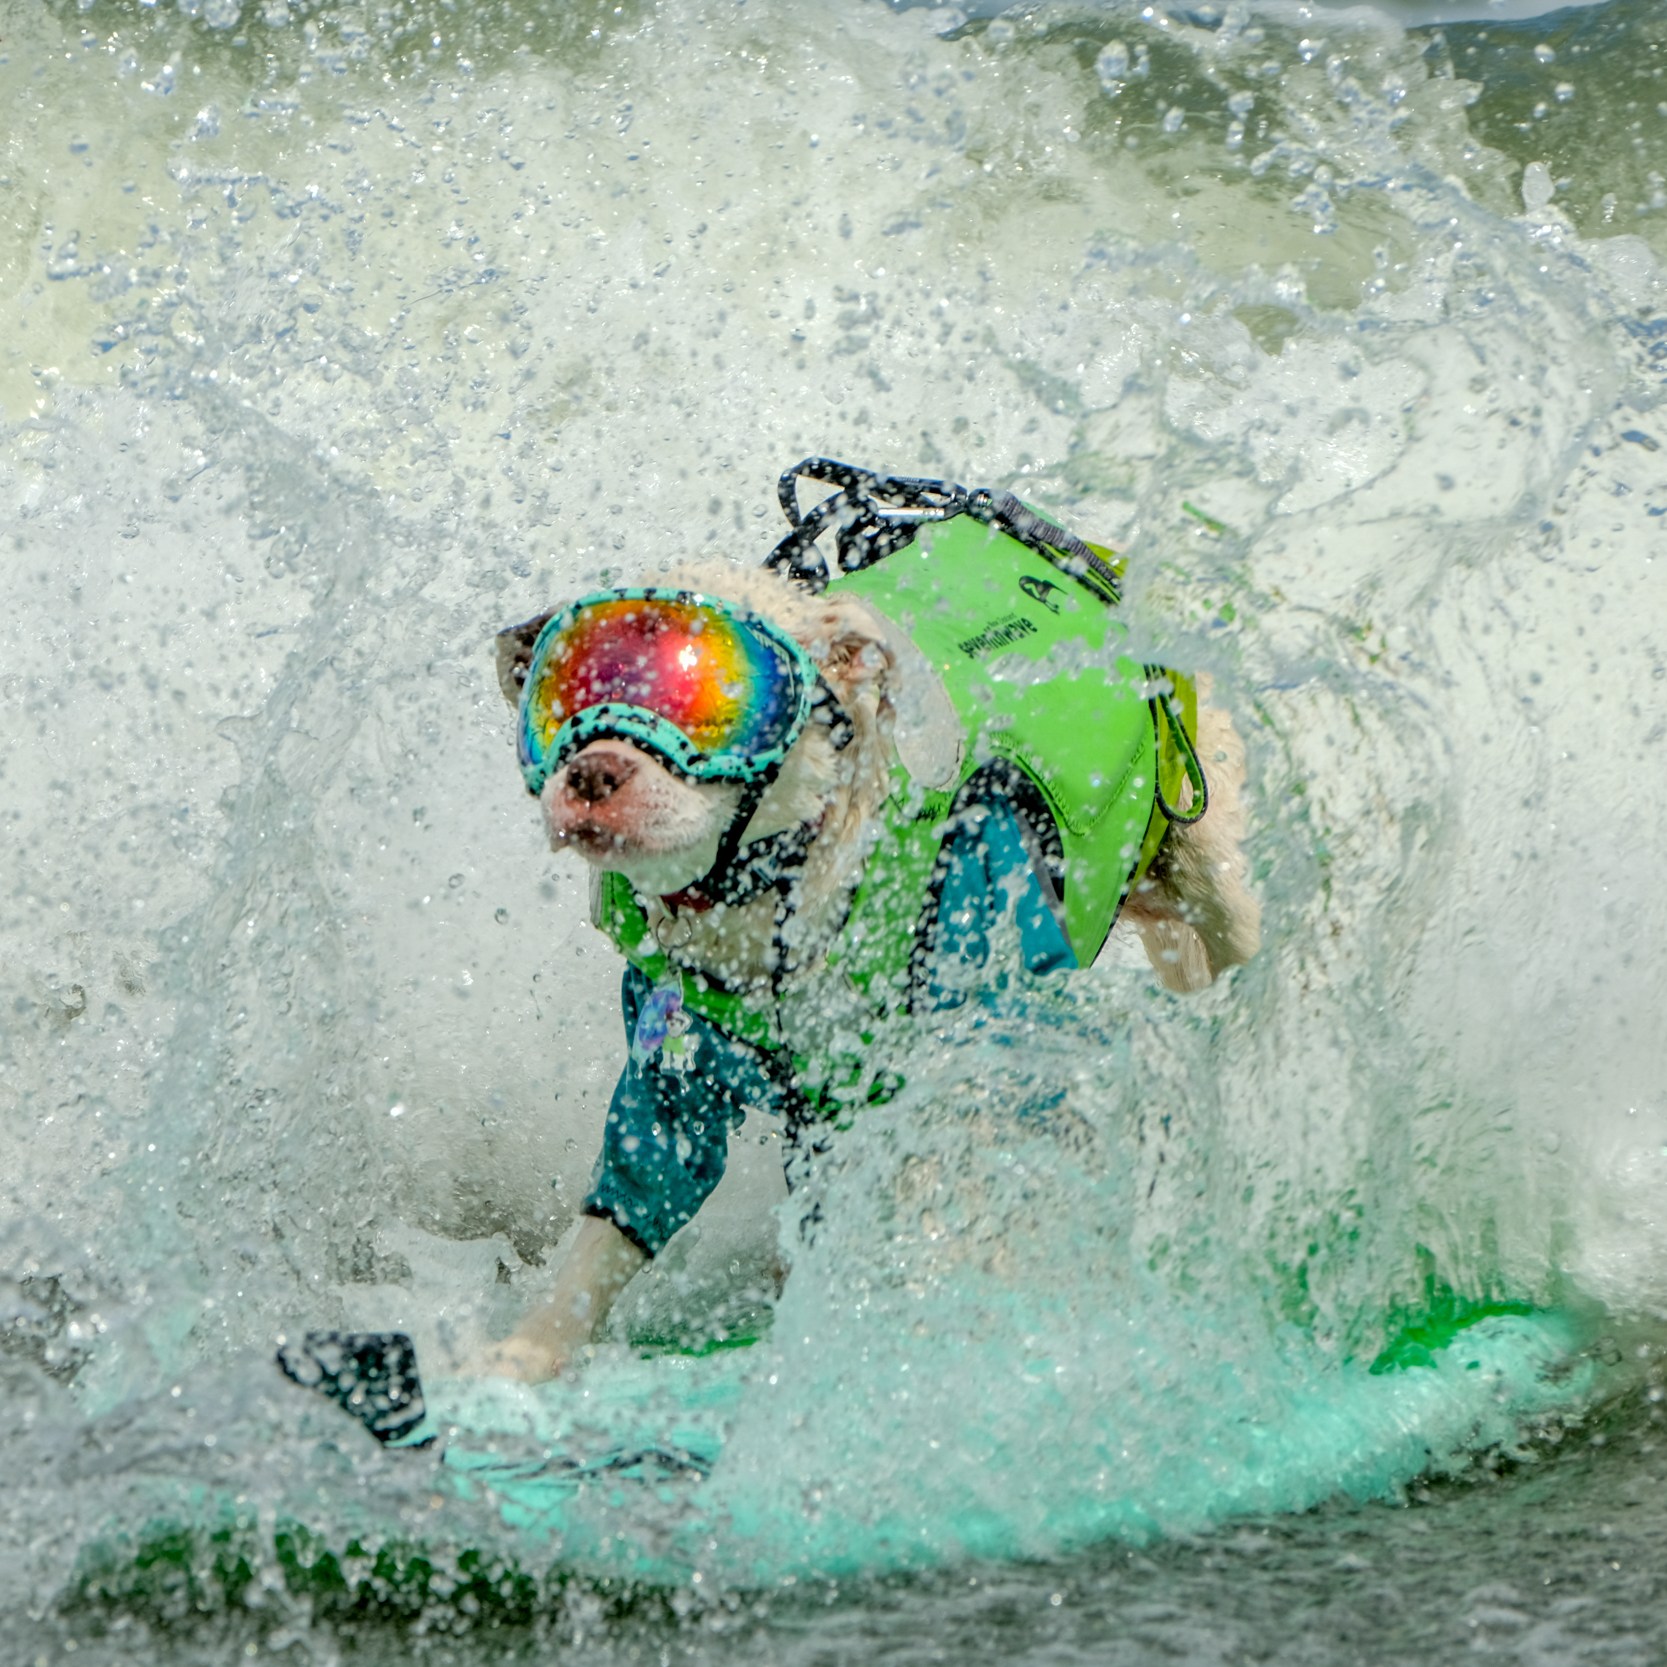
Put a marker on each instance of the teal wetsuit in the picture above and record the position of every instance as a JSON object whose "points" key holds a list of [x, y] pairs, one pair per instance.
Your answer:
{"points": [[687, 1083]]}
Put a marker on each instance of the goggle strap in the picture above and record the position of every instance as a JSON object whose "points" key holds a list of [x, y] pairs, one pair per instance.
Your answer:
{"points": [[729, 847], [841, 731], [713, 882], [759, 866]]}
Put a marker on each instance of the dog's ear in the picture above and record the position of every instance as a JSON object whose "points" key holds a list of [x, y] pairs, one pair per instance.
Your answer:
{"points": [[515, 652], [514, 646], [851, 648]]}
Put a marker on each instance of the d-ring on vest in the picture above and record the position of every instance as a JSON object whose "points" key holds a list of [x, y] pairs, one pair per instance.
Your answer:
{"points": [[1017, 617]]}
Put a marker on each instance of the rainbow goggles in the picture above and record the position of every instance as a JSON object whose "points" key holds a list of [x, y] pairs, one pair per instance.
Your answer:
{"points": [[715, 693]]}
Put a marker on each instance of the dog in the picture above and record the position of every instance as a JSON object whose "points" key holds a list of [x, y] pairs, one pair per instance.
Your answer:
{"points": [[626, 813]]}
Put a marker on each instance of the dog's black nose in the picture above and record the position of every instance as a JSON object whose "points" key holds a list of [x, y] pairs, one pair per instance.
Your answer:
{"points": [[595, 776]]}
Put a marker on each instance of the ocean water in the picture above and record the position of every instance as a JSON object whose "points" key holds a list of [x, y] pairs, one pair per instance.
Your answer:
{"points": [[342, 335]]}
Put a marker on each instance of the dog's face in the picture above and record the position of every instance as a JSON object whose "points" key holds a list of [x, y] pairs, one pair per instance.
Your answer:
{"points": [[621, 809]]}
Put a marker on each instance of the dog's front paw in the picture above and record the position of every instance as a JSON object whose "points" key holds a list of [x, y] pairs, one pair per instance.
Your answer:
{"points": [[518, 1358]]}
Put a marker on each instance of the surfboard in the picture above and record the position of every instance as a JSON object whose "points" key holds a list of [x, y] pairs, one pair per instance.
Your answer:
{"points": [[640, 1474]]}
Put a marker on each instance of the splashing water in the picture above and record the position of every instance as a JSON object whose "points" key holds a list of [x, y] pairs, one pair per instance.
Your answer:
{"points": [[341, 339]]}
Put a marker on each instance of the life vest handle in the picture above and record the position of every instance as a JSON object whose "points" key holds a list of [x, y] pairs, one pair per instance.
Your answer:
{"points": [[877, 515], [916, 498], [874, 516]]}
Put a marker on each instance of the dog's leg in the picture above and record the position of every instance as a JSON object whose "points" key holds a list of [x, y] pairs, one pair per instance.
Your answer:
{"points": [[597, 1266], [1174, 948], [1194, 912]]}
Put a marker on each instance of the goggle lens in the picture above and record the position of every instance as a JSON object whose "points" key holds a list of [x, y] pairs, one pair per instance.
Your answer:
{"points": [[727, 687]]}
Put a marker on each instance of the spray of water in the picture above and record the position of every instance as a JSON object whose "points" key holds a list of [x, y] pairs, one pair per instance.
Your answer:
{"points": [[341, 343]]}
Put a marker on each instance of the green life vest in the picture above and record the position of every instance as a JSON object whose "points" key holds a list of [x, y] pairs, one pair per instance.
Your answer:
{"points": [[1026, 647]]}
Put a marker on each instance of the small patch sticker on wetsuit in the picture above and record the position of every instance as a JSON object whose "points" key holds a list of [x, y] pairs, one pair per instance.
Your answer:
{"points": [[663, 1028]]}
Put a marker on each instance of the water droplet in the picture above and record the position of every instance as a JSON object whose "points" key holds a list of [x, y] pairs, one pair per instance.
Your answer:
{"points": [[1538, 187], [1112, 63]]}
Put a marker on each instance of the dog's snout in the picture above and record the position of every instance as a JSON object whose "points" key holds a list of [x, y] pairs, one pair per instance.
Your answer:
{"points": [[595, 776]]}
